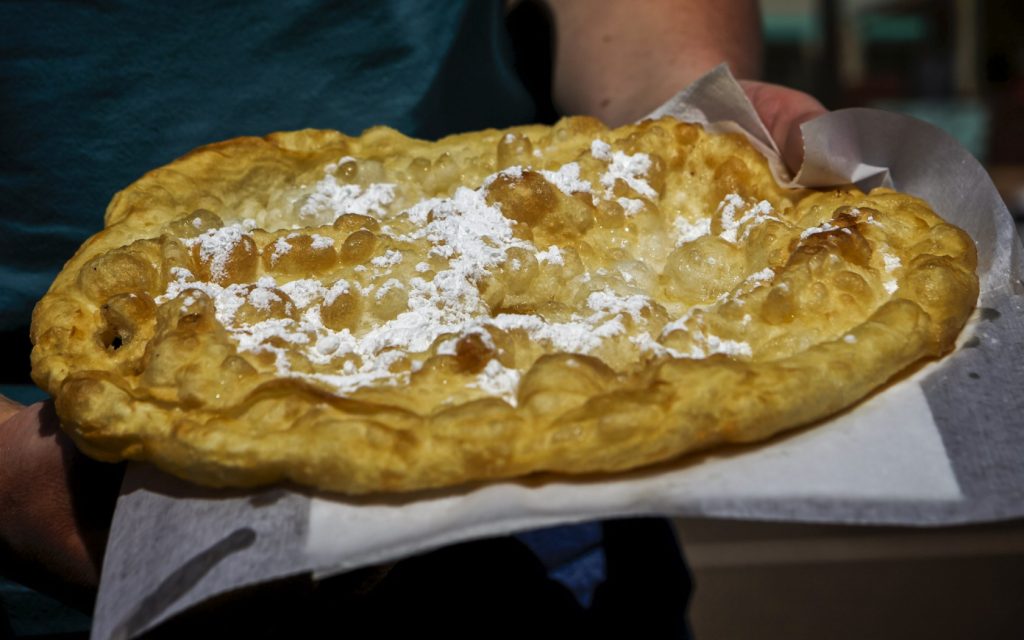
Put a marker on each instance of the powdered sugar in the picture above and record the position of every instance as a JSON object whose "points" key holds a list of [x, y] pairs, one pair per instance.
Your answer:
{"points": [[499, 380], [217, 245], [714, 344], [607, 301], [264, 298], [320, 242], [629, 168], [339, 288], [687, 231], [390, 258], [388, 286], [330, 199], [303, 292], [601, 150], [551, 255], [513, 173], [891, 263], [754, 215], [281, 247], [822, 228], [761, 277], [567, 179], [465, 240], [631, 206], [572, 336]]}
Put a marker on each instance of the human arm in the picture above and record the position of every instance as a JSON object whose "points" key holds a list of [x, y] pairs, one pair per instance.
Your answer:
{"points": [[620, 59], [8, 408], [56, 505]]}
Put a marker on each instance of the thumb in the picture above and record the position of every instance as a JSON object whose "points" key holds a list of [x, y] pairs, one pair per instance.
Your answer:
{"points": [[783, 110]]}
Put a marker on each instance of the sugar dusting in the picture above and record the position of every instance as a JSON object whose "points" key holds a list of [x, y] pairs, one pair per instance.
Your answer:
{"points": [[630, 169], [687, 231], [331, 198], [752, 216], [467, 240], [890, 263], [568, 180], [217, 245]]}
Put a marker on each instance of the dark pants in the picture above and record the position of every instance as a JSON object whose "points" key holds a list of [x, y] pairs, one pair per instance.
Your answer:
{"points": [[482, 589]]}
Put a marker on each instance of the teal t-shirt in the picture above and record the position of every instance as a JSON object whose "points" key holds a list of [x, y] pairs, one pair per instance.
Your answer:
{"points": [[93, 94]]}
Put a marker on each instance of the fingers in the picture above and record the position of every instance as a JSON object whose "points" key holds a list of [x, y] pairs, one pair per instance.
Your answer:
{"points": [[783, 110]]}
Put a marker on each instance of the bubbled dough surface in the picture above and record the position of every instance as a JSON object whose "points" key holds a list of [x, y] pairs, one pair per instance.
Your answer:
{"points": [[830, 295]]}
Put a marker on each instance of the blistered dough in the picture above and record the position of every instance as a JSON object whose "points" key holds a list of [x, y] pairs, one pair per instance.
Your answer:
{"points": [[379, 313]]}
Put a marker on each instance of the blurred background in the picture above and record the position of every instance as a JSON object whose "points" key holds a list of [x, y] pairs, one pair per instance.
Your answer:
{"points": [[958, 64]]}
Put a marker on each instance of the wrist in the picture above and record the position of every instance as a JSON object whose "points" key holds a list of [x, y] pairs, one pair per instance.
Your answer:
{"points": [[8, 447], [20, 435], [55, 506], [8, 431], [8, 408]]}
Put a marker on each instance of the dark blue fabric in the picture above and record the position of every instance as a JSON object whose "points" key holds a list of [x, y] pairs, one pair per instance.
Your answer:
{"points": [[93, 94], [573, 556], [22, 393]]}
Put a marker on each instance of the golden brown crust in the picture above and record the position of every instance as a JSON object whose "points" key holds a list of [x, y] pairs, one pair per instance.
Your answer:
{"points": [[709, 305]]}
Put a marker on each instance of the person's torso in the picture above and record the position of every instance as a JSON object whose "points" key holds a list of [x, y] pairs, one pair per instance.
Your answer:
{"points": [[93, 94]]}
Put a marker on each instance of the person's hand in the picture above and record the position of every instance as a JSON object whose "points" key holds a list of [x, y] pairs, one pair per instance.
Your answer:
{"points": [[8, 408], [55, 505], [783, 110]]}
